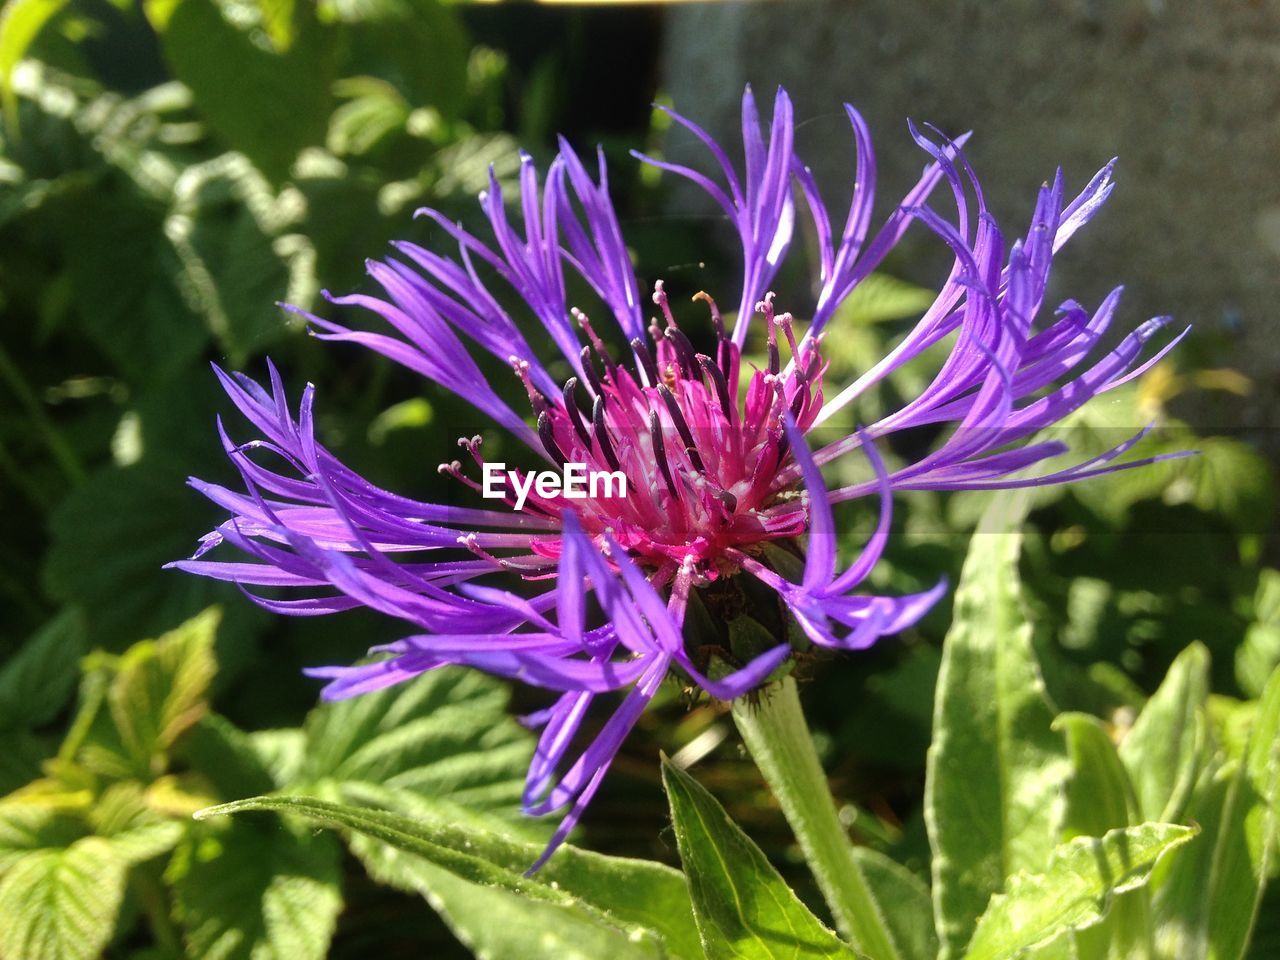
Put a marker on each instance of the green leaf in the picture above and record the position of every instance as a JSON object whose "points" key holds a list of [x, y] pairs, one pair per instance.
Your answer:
{"points": [[909, 910], [743, 907], [640, 909], [880, 297], [992, 794], [256, 890], [1259, 655], [1074, 890], [37, 682], [27, 827], [230, 231], [226, 69], [1163, 750], [1099, 794], [446, 733], [1207, 898], [20, 23], [1101, 798], [227, 757], [159, 689], [61, 904]]}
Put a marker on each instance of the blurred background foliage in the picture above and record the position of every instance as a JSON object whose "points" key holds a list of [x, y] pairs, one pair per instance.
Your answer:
{"points": [[168, 170]]}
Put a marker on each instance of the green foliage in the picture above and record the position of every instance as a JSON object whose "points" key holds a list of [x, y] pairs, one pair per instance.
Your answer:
{"points": [[995, 765], [743, 907], [460, 861], [1074, 889]]}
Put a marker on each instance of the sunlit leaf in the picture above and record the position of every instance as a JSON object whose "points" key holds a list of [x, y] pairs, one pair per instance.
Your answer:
{"points": [[623, 908], [61, 904], [256, 889], [995, 767], [1164, 749], [1073, 891], [743, 907]]}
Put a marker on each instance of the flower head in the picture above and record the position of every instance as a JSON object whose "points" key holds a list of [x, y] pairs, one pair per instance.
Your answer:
{"points": [[719, 474]]}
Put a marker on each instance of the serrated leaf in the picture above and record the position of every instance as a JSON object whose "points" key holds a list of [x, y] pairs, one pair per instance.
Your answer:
{"points": [[1207, 897], [26, 828], [232, 234], [227, 757], [880, 297], [638, 904], [61, 904], [1073, 891], [992, 793], [159, 690], [1164, 748], [743, 906], [444, 734], [136, 832], [37, 681], [256, 889]]}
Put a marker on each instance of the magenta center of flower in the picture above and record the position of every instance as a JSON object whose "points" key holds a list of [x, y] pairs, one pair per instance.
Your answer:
{"points": [[702, 457]]}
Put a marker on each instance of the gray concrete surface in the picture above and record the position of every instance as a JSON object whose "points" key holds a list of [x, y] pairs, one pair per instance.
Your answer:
{"points": [[1187, 94]]}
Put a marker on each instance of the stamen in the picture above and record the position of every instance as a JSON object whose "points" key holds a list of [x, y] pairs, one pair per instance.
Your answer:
{"points": [[785, 321], [717, 322], [575, 415], [660, 452], [602, 434], [719, 383], [644, 356], [660, 299], [589, 369], [684, 351], [682, 427], [547, 435], [521, 368], [728, 499], [596, 343]]}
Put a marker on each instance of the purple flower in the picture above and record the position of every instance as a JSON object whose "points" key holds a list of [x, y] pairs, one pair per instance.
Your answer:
{"points": [[715, 457]]}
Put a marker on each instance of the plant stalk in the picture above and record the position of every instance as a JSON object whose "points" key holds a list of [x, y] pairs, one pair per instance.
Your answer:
{"points": [[775, 731]]}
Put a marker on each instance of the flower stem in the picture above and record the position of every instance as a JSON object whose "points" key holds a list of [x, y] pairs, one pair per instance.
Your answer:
{"points": [[775, 732]]}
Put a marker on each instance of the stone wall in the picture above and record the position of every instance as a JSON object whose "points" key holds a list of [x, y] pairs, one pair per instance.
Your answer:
{"points": [[1186, 94]]}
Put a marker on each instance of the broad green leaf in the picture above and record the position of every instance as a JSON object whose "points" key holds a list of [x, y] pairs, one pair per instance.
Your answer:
{"points": [[1207, 897], [255, 889], [26, 828], [743, 907], [880, 297], [1099, 794], [641, 906], [1259, 654], [232, 233], [444, 734], [136, 832], [1101, 798], [159, 690], [908, 909], [1163, 750], [226, 69], [1073, 891], [61, 904], [20, 23], [37, 681], [993, 788], [227, 757]]}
